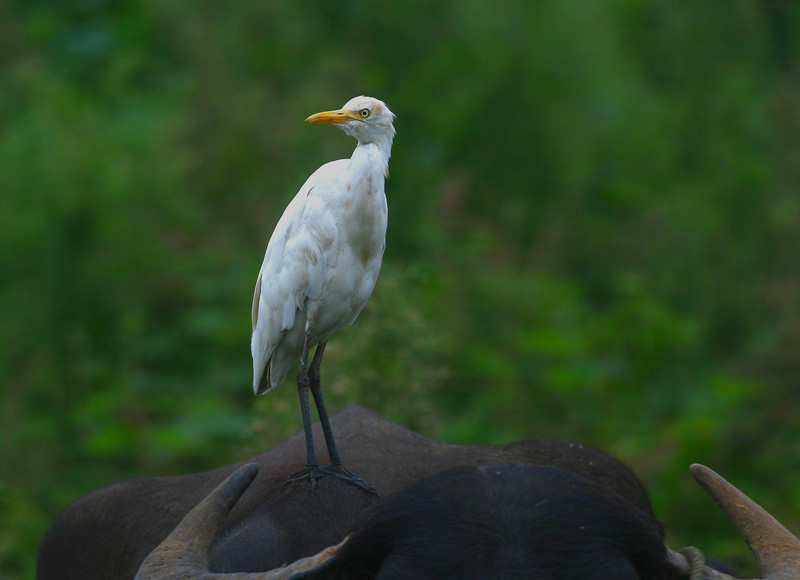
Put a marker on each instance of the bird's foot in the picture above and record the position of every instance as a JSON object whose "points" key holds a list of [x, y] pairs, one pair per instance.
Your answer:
{"points": [[342, 472], [339, 471], [307, 472]]}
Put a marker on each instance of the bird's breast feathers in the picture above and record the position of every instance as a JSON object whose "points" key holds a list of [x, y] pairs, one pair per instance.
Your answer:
{"points": [[325, 253]]}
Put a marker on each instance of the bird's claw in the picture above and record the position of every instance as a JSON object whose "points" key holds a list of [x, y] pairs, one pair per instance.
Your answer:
{"points": [[342, 472], [308, 472], [339, 471]]}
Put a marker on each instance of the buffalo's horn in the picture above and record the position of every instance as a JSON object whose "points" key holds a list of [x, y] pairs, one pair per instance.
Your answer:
{"points": [[183, 555], [775, 548]]}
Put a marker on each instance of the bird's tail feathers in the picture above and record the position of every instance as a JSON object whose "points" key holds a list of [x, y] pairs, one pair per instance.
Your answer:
{"points": [[272, 376], [262, 384]]}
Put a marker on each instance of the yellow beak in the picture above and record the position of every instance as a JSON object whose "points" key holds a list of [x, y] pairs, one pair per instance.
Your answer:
{"points": [[340, 116]]}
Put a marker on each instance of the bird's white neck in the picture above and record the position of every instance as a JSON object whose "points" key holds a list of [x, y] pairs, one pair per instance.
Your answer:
{"points": [[382, 141], [374, 153]]}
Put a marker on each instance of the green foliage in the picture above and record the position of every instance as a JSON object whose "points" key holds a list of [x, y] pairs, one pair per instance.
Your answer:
{"points": [[593, 235]]}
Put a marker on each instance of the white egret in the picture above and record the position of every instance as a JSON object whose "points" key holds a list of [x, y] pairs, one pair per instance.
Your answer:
{"points": [[321, 265]]}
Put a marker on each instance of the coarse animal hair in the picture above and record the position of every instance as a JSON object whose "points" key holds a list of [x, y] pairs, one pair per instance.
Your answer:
{"points": [[502, 522]]}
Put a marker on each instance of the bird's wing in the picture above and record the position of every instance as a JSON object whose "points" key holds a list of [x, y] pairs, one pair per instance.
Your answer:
{"points": [[302, 248]]}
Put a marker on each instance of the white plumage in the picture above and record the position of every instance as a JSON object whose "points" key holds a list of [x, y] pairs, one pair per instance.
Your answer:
{"points": [[321, 266], [325, 254]]}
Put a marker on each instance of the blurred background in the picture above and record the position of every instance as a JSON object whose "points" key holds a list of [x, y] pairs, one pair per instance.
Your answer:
{"points": [[594, 212]]}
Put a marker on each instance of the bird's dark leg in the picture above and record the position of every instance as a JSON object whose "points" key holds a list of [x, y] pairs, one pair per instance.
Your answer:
{"points": [[314, 383], [302, 390], [336, 468]]}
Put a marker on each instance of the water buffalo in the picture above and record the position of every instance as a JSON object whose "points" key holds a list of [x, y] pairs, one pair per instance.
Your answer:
{"points": [[107, 533], [502, 521], [509, 521]]}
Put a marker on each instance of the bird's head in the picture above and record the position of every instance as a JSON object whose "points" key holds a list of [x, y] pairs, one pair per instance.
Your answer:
{"points": [[368, 120]]}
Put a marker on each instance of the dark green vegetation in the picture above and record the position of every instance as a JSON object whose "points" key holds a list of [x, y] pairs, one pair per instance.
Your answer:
{"points": [[594, 234]]}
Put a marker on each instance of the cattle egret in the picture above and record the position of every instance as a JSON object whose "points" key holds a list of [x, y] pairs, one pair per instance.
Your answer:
{"points": [[321, 265]]}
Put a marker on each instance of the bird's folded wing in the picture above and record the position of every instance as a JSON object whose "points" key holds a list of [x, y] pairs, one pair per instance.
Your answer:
{"points": [[288, 223], [303, 247]]}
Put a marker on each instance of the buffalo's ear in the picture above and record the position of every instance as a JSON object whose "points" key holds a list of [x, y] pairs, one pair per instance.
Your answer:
{"points": [[250, 547]]}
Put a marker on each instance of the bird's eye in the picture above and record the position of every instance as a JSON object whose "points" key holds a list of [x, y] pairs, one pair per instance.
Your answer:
{"points": [[364, 113]]}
